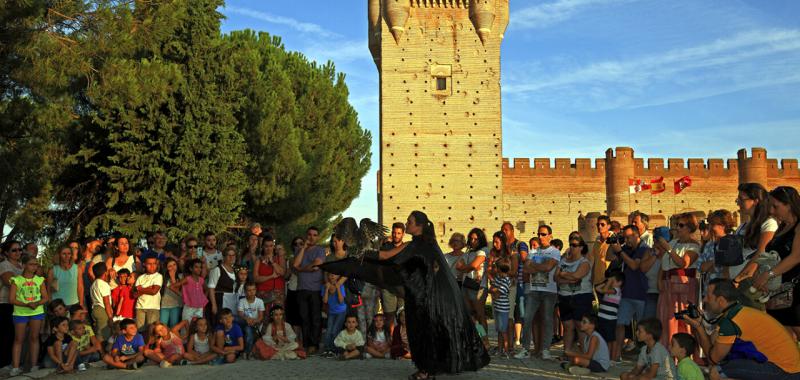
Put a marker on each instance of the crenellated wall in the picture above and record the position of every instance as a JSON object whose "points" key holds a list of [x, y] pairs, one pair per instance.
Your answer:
{"points": [[567, 193]]}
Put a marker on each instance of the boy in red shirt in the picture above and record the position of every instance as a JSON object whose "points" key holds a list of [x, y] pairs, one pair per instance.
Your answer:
{"points": [[122, 295]]}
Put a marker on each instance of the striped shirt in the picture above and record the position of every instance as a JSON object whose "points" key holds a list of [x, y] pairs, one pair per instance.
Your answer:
{"points": [[501, 303], [609, 305]]}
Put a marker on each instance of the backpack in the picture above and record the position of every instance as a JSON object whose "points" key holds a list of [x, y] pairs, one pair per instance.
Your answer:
{"points": [[729, 251]]}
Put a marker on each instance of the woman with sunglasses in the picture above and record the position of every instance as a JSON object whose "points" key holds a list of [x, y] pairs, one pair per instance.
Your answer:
{"points": [[574, 279], [784, 203], [9, 268], [760, 227], [678, 280]]}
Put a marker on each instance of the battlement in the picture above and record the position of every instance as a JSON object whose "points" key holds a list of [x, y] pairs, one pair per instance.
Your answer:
{"points": [[563, 167], [440, 3], [651, 167]]}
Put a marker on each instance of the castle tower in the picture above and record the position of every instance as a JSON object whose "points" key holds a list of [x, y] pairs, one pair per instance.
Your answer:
{"points": [[619, 169], [440, 117], [753, 168]]}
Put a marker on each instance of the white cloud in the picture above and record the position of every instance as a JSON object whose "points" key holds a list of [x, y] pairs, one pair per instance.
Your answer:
{"points": [[338, 51], [547, 14], [743, 61], [300, 26]]}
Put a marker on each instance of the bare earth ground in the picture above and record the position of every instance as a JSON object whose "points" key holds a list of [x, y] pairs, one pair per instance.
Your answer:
{"points": [[320, 368]]}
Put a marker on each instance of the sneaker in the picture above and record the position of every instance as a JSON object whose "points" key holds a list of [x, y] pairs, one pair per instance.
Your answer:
{"points": [[34, 368], [556, 339], [164, 364], [576, 370], [81, 367], [134, 365], [15, 372], [367, 355], [546, 355], [522, 354], [184, 362]]}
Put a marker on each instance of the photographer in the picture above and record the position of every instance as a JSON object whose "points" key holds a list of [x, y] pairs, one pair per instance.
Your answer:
{"points": [[750, 345], [630, 248]]}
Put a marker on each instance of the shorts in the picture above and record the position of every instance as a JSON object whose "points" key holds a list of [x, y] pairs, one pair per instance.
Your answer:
{"points": [[594, 366], [26, 319], [190, 313], [390, 302], [575, 307], [501, 321], [607, 329], [629, 310]]}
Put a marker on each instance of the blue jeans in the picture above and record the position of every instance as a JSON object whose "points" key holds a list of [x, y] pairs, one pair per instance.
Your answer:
{"points": [[249, 333], [533, 301], [651, 305], [751, 369], [91, 358], [170, 316], [335, 325]]}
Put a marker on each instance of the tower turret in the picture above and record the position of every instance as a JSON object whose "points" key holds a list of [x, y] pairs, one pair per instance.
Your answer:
{"points": [[396, 13], [753, 168], [619, 169]]}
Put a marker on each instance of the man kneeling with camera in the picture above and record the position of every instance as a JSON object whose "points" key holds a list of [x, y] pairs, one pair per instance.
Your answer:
{"points": [[750, 343]]}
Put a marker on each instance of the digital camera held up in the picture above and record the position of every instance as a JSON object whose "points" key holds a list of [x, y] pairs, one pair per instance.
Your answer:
{"points": [[691, 312], [616, 239]]}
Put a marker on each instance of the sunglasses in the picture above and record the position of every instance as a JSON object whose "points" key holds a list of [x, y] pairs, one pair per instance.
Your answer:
{"points": [[681, 225], [15, 250], [576, 245], [543, 234], [601, 224]]}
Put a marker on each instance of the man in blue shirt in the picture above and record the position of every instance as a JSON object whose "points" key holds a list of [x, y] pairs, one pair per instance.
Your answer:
{"points": [[634, 290]]}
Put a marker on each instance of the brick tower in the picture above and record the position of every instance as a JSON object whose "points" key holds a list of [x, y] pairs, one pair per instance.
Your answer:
{"points": [[440, 114]]}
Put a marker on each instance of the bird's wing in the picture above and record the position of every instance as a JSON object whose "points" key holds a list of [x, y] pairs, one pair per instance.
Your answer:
{"points": [[371, 234], [347, 230]]}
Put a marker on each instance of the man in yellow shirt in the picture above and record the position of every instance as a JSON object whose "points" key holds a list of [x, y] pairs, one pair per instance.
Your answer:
{"points": [[751, 344]]}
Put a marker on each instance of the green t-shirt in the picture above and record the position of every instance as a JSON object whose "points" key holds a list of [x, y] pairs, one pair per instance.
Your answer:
{"points": [[28, 290], [689, 370]]}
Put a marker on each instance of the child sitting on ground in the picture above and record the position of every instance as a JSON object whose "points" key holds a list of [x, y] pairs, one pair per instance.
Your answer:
{"points": [[198, 350], [280, 336], [87, 345], [127, 351], [60, 347], [228, 339], [122, 296], [378, 335], [681, 347], [349, 342], [593, 356], [251, 315], [168, 344], [654, 360], [400, 348]]}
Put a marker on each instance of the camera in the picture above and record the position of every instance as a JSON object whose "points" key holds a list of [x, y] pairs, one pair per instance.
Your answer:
{"points": [[691, 312], [616, 239]]}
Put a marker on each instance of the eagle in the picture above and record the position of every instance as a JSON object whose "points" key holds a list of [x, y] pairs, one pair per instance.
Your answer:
{"points": [[362, 238]]}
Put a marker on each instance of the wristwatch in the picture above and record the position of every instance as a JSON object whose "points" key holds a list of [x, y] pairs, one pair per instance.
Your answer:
{"points": [[771, 274]]}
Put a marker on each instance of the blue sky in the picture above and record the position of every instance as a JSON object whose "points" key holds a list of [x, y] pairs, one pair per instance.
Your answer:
{"points": [[680, 78]]}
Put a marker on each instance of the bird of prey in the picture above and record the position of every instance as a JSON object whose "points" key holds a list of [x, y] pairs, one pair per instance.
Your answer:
{"points": [[362, 238]]}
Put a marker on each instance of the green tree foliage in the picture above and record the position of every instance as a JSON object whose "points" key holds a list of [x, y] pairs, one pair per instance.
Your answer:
{"points": [[308, 150], [145, 117]]}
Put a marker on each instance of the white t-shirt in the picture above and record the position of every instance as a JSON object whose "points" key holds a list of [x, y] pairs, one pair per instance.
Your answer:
{"points": [[544, 282], [251, 310], [5, 267], [680, 250], [145, 301], [99, 289], [469, 257], [769, 225], [212, 259]]}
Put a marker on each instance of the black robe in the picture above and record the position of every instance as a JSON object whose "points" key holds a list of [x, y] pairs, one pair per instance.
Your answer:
{"points": [[441, 335]]}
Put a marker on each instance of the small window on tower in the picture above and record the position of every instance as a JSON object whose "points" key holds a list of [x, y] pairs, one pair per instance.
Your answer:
{"points": [[441, 84]]}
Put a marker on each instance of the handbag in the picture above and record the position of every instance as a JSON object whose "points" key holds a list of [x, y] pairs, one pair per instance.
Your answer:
{"points": [[470, 283], [783, 298]]}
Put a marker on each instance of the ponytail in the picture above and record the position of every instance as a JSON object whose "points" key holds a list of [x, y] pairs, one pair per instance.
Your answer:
{"points": [[428, 232]]}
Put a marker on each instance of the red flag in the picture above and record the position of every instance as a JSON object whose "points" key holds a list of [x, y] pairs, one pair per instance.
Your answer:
{"points": [[636, 185], [657, 185], [682, 184]]}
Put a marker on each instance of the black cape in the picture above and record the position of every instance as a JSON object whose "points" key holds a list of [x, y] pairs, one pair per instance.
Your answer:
{"points": [[441, 335]]}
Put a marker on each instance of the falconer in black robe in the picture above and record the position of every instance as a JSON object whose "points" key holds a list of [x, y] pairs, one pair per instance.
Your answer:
{"points": [[441, 334]]}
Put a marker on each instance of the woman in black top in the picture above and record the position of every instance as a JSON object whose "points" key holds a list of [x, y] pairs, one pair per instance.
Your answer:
{"points": [[785, 207]]}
